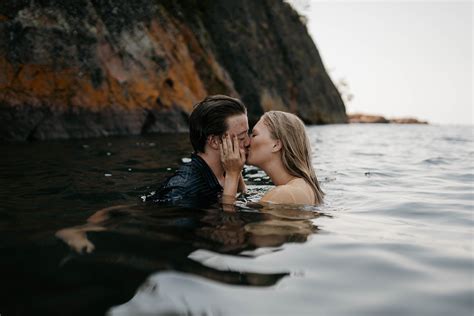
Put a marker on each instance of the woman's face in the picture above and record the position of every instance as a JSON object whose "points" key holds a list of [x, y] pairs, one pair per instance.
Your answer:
{"points": [[261, 145]]}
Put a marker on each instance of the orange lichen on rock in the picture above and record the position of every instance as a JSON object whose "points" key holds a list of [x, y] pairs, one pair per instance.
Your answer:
{"points": [[32, 81], [39, 80], [7, 73], [182, 84], [126, 83], [86, 95], [211, 72]]}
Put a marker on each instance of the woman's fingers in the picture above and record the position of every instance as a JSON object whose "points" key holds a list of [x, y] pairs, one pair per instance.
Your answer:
{"points": [[221, 151], [236, 145], [230, 147], [224, 145], [243, 156], [240, 152]]}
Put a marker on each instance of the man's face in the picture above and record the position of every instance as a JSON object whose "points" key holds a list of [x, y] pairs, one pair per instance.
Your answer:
{"points": [[239, 125]]}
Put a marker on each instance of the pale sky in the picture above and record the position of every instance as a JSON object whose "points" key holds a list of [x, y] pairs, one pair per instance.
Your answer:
{"points": [[399, 58]]}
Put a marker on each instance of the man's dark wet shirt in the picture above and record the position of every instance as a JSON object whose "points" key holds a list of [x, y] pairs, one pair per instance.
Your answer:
{"points": [[193, 184]]}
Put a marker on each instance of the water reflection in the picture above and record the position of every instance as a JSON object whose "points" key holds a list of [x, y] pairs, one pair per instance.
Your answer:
{"points": [[149, 238], [221, 239]]}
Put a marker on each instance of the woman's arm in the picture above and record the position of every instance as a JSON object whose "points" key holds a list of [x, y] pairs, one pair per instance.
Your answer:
{"points": [[233, 160], [242, 186], [76, 237], [103, 214]]}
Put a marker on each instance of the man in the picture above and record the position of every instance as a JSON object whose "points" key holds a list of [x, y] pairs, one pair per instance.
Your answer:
{"points": [[200, 181], [197, 183]]}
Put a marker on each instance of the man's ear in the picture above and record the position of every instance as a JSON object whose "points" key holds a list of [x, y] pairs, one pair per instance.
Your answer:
{"points": [[213, 142], [276, 146]]}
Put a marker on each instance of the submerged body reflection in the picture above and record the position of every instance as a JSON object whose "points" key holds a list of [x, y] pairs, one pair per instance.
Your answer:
{"points": [[145, 239]]}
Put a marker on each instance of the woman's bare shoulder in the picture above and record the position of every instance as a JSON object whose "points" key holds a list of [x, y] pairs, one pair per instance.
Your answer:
{"points": [[295, 193], [279, 194]]}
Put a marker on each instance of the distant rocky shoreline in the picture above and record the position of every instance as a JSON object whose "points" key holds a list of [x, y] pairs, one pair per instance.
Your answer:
{"points": [[367, 118]]}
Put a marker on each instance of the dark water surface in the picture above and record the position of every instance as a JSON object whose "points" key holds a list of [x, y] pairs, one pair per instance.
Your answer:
{"points": [[394, 237]]}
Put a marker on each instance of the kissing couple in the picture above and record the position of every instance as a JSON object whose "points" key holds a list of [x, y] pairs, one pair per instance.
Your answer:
{"points": [[219, 134]]}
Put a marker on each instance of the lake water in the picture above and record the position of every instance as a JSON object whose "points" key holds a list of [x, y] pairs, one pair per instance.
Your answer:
{"points": [[394, 237]]}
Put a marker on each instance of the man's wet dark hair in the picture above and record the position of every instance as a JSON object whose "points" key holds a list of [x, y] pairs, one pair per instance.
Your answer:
{"points": [[209, 118]]}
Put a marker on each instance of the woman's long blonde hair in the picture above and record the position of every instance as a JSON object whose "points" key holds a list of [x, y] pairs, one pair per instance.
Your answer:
{"points": [[296, 149]]}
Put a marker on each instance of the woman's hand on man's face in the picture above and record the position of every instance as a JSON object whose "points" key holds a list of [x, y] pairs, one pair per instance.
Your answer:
{"points": [[232, 156]]}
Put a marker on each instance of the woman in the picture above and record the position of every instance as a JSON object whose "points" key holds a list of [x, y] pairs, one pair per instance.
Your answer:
{"points": [[280, 147]]}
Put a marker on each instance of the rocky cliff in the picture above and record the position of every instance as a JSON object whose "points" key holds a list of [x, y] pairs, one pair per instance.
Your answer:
{"points": [[87, 68]]}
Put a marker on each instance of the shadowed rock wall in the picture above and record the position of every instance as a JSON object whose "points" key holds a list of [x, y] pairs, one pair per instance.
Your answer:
{"points": [[85, 68]]}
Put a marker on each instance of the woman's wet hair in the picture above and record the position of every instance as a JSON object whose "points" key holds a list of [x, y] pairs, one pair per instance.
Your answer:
{"points": [[296, 149], [209, 117]]}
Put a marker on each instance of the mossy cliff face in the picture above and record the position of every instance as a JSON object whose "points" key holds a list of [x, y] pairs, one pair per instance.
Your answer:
{"points": [[84, 68]]}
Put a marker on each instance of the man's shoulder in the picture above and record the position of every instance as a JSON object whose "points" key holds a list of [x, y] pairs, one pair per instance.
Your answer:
{"points": [[192, 179], [194, 169], [186, 175]]}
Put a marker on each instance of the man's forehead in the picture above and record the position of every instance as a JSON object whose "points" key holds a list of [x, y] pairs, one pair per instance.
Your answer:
{"points": [[238, 124]]}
